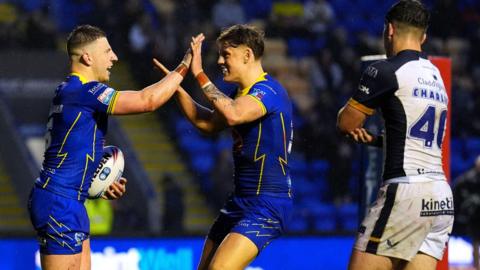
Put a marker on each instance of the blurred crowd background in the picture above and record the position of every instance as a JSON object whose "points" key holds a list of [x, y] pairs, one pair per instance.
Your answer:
{"points": [[313, 48]]}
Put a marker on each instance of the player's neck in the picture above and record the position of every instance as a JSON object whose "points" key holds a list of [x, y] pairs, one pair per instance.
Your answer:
{"points": [[406, 44], [252, 74], [86, 73]]}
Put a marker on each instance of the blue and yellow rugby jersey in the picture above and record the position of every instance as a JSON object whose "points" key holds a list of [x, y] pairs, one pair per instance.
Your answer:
{"points": [[261, 148], [77, 125]]}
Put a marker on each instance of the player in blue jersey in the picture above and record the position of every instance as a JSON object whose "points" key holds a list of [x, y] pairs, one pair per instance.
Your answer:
{"points": [[409, 224], [77, 125], [260, 117]]}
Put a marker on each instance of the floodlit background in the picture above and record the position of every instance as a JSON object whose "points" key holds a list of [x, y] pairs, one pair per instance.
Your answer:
{"points": [[179, 178]]}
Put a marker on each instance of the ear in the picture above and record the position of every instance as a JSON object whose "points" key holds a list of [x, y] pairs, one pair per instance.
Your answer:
{"points": [[247, 55], [390, 30], [86, 59], [424, 37]]}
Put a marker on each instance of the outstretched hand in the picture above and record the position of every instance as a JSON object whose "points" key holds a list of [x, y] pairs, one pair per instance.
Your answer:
{"points": [[160, 66], [196, 47], [115, 190]]}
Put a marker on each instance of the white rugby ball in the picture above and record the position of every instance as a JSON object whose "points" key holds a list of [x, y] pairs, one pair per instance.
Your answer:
{"points": [[109, 170]]}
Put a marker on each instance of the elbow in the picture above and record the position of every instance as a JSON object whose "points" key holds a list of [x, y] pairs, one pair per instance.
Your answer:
{"points": [[232, 122]]}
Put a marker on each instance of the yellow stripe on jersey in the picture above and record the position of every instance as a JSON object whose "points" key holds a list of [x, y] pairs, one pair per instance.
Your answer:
{"points": [[264, 110], [283, 161], [245, 90], [111, 106], [46, 183], [359, 106], [64, 155], [88, 158], [80, 77], [262, 157]]}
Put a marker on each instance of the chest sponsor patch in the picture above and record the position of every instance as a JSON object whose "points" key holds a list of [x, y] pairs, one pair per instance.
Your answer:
{"points": [[106, 96]]}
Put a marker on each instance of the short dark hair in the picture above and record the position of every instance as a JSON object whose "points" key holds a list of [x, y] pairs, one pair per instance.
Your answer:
{"points": [[410, 13], [83, 35], [243, 34]]}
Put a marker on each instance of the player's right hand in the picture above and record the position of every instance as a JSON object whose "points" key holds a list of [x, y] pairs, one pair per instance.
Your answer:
{"points": [[196, 46], [361, 135], [160, 66]]}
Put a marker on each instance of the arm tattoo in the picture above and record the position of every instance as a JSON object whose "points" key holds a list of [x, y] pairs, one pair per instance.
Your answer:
{"points": [[212, 92]]}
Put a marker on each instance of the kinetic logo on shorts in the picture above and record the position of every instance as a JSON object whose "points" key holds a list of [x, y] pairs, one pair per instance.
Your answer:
{"points": [[437, 207]]}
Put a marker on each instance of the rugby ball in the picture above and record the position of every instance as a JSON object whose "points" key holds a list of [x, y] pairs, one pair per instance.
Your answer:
{"points": [[109, 170]]}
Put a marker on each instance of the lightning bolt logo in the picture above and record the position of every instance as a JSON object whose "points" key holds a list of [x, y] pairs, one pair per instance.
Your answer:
{"points": [[60, 234], [258, 234], [283, 160], [88, 158], [257, 158], [60, 154]]}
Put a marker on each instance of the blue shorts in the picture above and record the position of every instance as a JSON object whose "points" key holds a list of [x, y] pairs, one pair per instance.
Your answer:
{"points": [[61, 223], [259, 218]]}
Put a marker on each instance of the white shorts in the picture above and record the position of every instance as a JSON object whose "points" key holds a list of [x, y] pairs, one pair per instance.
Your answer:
{"points": [[407, 218]]}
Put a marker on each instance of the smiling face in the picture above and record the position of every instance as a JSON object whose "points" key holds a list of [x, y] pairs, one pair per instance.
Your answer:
{"points": [[102, 58], [233, 62]]}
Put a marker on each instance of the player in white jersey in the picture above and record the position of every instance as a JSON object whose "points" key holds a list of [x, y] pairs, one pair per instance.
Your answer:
{"points": [[408, 225]]}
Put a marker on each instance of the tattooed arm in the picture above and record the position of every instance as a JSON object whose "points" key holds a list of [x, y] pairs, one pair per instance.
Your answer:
{"points": [[236, 111]]}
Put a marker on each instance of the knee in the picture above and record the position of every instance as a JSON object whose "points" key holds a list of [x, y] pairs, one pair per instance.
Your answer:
{"points": [[216, 265]]}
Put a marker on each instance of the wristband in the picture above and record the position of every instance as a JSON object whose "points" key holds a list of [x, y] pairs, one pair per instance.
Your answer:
{"points": [[202, 79], [182, 69]]}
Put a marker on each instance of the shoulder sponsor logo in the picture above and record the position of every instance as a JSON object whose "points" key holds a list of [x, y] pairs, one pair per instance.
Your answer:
{"points": [[364, 89], [106, 96], [95, 88], [258, 93], [433, 207], [371, 71]]}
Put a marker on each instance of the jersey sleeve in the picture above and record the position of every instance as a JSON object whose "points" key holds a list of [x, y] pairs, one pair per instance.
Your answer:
{"points": [[265, 96], [101, 97], [376, 83]]}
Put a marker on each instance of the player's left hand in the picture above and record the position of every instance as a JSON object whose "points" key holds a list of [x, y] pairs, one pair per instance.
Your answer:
{"points": [[361, 135], [115, 190], [196, 46]]}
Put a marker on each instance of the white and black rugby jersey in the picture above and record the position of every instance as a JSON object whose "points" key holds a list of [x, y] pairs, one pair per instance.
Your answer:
{"points": [[411, 96]]}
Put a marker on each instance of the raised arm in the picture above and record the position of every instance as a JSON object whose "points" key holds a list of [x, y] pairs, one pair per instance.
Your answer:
{"points": [[153, 96], [236, 111], [201, 117]]}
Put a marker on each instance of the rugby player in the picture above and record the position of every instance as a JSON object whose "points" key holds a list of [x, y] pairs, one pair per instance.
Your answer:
{"points": [[77, 125], [260, 117], [408, 225]]}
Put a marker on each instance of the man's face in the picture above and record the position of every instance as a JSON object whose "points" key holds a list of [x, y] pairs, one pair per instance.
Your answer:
{"points": [[232, 61], [103, 58]]}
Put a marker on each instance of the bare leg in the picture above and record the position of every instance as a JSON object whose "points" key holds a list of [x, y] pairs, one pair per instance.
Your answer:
{"points": [[234, 253], [67, 262], [208, 251], [421, 261], [86, 260], [367, 261], [475, 254]]}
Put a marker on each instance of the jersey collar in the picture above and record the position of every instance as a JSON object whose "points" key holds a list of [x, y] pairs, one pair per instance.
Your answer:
{"points": [[245, 90], [80, 77]]}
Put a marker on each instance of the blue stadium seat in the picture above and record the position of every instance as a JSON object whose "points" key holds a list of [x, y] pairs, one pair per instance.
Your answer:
{"points": [[348, 217]]}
